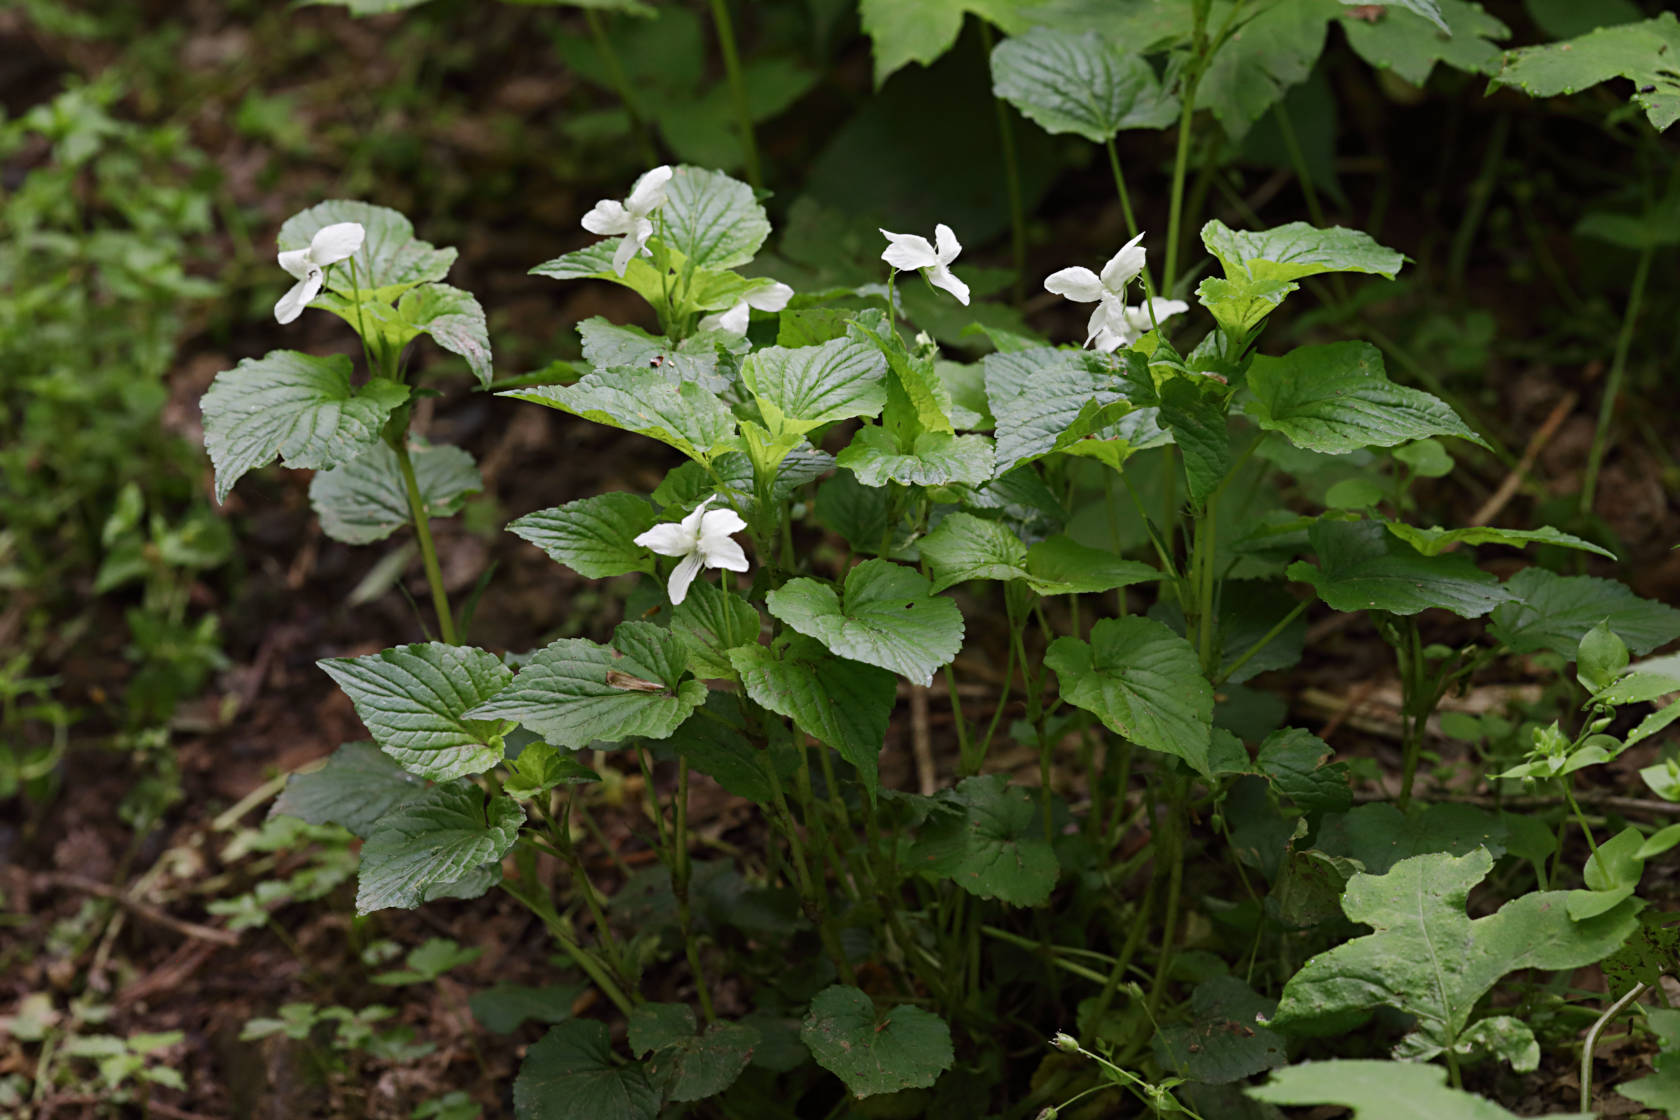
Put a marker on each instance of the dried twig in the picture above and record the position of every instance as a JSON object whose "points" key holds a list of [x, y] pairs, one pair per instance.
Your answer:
{"points": [[135, 906]]}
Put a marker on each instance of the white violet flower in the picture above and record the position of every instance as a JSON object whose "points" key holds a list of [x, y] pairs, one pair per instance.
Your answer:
{"points": [[1107, 291], [773, 297], [702, 540], [630, 217], [330, 245], [909, 252], [1122, 326]]}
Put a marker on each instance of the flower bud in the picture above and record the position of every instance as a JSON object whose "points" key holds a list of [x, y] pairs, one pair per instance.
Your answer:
{"points": [[1065, 1042]]}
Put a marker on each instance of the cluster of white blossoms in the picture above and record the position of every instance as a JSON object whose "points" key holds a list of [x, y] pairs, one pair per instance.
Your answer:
{"points": [[909, 252], [1113, 324], [330, 245], [702, 541], [609, 217]]}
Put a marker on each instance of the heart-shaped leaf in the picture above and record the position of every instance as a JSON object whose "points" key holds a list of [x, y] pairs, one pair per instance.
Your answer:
{"points": [[907, 1048], [887, 617], [987, 837], [366, 499], [424, 846], [595, 537]]}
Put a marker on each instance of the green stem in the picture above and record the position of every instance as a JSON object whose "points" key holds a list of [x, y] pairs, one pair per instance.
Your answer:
{"points": [[816, 908], [1169, 920], [583, 958], [964, 751], [1298, 159], [1126, 205], [1134, 937], [1613, 386], [737, 90], [1481, 193], [1011, 179], [1590, 1043], [1269, 637], [1580, 817], [423, 534], [621, 84], [680, 876]]}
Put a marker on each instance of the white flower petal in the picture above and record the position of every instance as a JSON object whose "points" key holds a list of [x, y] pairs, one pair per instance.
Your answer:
{"points": [[608, 217], [297, 263], [1125, 266], [945, 243], [683, 575], [908, 251], [724, 553], [1078, 284], [940, 277], [634, 242], [336, 242], [648, 194], [719, 523], [771, 298], [1105, 341], [733, 321], [668, 539], [291, 305], [1140, 319]]}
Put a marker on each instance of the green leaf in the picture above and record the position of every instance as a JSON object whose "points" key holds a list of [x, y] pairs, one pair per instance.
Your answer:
{"points": [[1083, 84], [504, 1008], [964, 547], [988, 838], [1224, 1041], [1430, 959], [574, 691], [1294, 760], [595, 537], [1143, 681], [937, 458], [1381, 1091], [1239, 305], [803, 388], [416, 701], [293, 405], [569, 1075], [840, 702], [1643, 53], [1601, 657], [1555, 612], [1410, 43], [1362, 567], [1611, 874], [646, 401], [607, 345], [1661, 1090], [390, 257], [1434, 541], [540, 768], [907, 1048], [357, 786], [905, 31], [684, 1065], [427, 961], [366, 499], [710, 622], [917, 400], [718, 749], [1297, 250], [1274, 50], [432, 842], [1379, 835], [1045, 400], [1336, 398], [455, 321], [1429, 10], [595, 262], [1195, 415], [711, 219], [889, 618]]}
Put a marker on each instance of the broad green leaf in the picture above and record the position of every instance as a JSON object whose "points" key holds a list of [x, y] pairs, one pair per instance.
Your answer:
{"points": [[454, 320], [1611, 875], [504, 1008], [917, 400], [595, 262], [1195, 415], [964, 547], [1335, 398], [716, 748], [1297, 250], [803, 388], [683, 1064], [840, 702], [390, 256], [366, 499], [906, 1048], [293, 405], [607, 345], [1143, 681], [887, 617], [1600, 658], [1643, 53], [712, 220], [1275, 49], [1223, 1041], [1434, 541], [1429, 10], [540, 768], [574, 691], [1294, 761], [1362, 567], [679, 413], [1410, 43], [1381, 1091], [937, 459], [427, 961], [570, 1075], [1661, 1090], [1379, 835], [1427, 957], [1238, 305], [415, 701], [905, 31], [710, 622], [1555, 612], [432, 842], [1083, 84], [1045, 400], [595, 537], [987, 837], [357, 786]]}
